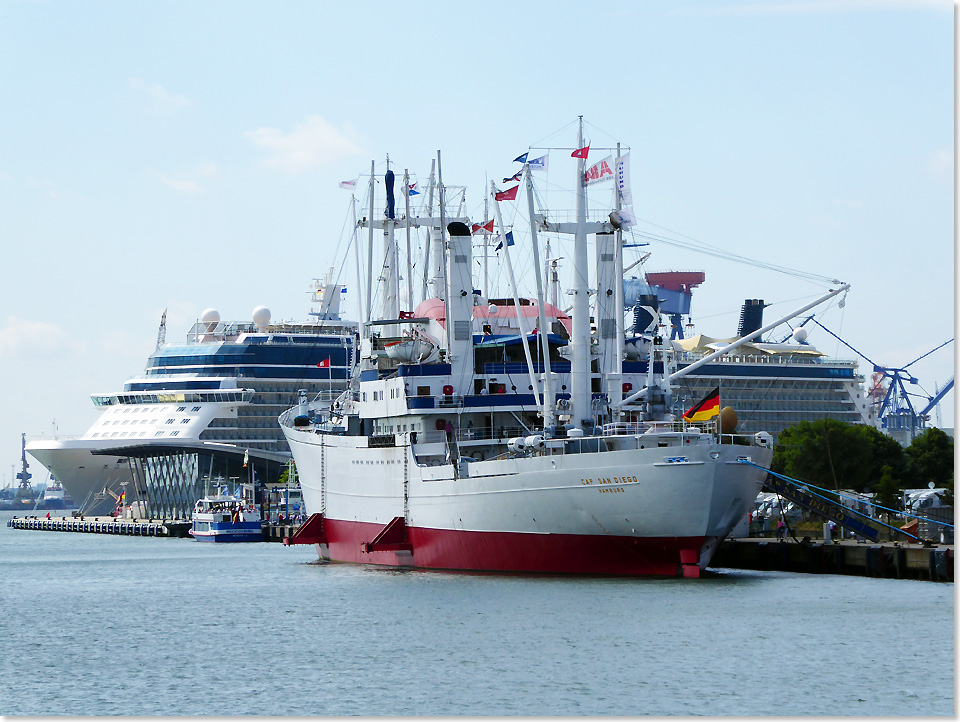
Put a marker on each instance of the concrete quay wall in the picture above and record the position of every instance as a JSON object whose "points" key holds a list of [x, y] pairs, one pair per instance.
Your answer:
{"points": [[891, 560]]}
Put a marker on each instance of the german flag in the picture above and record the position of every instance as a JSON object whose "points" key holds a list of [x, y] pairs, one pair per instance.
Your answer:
{"points": [[706, 409]]}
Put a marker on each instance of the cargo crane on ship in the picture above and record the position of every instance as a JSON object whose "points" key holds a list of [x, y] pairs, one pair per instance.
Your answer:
{"points": [[674, 290]]}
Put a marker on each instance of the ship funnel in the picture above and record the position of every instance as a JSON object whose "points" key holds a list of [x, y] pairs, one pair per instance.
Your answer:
{"points": [[459, 303], [751, 316], [645, 313], [390, 211]]}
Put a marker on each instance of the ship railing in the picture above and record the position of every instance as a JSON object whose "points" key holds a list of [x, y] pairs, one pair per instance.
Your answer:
{"points": [[431, 437], [762, 358], [628, 428], [448, 401], [327, 397], [486, 433]]}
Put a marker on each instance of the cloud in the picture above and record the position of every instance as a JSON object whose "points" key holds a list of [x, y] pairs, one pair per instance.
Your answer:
{"points": [[187, 181], [311, 144], [180, 184], [162, 101], [31, 339]]}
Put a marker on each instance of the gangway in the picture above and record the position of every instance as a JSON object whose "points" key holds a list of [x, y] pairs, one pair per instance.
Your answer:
{"points": [[800, 493]]}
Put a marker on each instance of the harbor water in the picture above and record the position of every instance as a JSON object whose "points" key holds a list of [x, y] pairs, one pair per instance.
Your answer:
{"points": [[106, 625]]}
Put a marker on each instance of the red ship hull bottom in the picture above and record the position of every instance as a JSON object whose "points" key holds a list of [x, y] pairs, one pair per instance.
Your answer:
{"points": [[516, 552]]}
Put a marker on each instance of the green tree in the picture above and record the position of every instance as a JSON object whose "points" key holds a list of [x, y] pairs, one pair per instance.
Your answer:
{"points": [[888, 490], [931, 454], [833, 454]]}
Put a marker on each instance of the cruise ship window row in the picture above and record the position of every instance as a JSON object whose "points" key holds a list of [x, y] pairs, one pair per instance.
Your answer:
{"points": [[265, 422], [117, 434], [231, 434], [152, 399]]}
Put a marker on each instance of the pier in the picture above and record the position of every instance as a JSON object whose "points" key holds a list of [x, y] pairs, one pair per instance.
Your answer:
{"points": [[104, 525], [131, 527], [895, 560]]}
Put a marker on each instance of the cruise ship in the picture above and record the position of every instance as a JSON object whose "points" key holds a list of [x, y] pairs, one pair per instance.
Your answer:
{"points": [[222, 387], [772, 384]]}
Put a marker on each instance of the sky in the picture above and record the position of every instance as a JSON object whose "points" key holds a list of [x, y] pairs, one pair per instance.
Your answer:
{"points": [[182, 155]]}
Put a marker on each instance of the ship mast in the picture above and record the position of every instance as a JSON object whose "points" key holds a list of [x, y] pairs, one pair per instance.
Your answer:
{"points": [[549, 408], [365, 331], [406, 199], [580, 338], [391, 286], [516, 303], [426, 250]]}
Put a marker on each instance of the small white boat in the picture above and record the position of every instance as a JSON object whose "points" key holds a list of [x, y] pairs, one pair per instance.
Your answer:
{"points": [[416, 347], [226, 518]]}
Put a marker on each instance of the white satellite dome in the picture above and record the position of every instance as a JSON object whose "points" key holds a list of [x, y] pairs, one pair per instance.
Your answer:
{"points": [[210, 318], [261, 317], [800, 335], [492, 309]]}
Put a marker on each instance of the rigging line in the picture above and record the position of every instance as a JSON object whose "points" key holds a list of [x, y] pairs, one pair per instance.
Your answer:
{"points": [[550, 135], [865, 358], [715, 248], [928, 353], [706, 250], [343, 228], [601, 130]]}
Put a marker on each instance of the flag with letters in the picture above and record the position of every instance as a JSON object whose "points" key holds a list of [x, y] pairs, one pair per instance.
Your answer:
{"points": [[706, 409], [539, 163], [349, 184], [581, 152], [508, 195], [482, 227], [599, 171]]}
